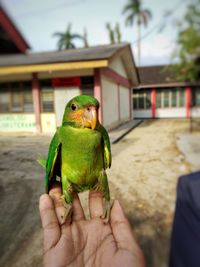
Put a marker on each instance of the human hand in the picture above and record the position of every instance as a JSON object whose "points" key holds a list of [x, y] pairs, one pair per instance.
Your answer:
{"points": [[81, 242]]}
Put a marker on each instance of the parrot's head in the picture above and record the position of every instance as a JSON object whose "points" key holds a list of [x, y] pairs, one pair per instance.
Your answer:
{"points": [[82, 112]]}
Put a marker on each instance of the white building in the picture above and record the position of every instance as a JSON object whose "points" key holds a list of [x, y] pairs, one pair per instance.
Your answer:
{"points": [[160, 95], [34, 88]]}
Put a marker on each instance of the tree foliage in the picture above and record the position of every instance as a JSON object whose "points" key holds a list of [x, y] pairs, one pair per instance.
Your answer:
{"points": [[114, 33], [85, 38], [66, 39], [188, 52], [135, 12]]}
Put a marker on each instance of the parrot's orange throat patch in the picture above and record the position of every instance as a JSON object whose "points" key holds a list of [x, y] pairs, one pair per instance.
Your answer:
{"points": [[87, 117], [77, 115]]}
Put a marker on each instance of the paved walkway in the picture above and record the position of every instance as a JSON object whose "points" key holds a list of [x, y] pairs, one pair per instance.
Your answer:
{"points": [[118, 133], [189, 145]]}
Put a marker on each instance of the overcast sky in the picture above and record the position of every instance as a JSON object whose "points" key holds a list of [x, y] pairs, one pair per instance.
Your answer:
{"points": [[39, 19]]}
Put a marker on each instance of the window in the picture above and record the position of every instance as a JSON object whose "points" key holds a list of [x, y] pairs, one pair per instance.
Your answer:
{"points": [[148, 100], [181, 98], [28, 101], [170, 98], [142, 99], [158, 98], [4, 101], [166, 99], [87, 85], [46, 96], [16, 97], [16, 100], [174, 98], [47, 100], [196, 97], [135, 101]]}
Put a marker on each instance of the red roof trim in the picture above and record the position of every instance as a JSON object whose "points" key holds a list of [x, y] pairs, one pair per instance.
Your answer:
{"points": [[14, 34], [116, 77]]}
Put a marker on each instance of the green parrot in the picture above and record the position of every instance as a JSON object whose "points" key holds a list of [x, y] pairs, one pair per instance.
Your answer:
{"points": [[79, 153]]}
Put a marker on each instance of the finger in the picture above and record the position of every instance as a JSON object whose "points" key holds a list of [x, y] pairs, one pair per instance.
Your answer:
{"points": [[49, 222], [78, 213], [95, 204], [122, 231], [55, 193]]}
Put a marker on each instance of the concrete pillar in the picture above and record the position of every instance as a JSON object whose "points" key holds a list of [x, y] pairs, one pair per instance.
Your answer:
{"points": [[153, 103], [188, 100], [130, 103], [98, 92], [36, 101], [118, 96]]}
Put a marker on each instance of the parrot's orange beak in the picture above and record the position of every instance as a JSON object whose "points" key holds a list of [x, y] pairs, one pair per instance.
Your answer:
{"points": [[90, 117]]}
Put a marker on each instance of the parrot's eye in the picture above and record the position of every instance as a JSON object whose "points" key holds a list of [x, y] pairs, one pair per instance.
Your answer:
{"points": [[74, 107]]}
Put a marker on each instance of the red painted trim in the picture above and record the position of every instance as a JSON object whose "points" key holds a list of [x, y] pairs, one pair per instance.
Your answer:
{"points": [[188, 98], [116, 77], [98, 92], [130, 104], [36, 101], [66, 82], [14, 34], [153, 103], [118, 100]]}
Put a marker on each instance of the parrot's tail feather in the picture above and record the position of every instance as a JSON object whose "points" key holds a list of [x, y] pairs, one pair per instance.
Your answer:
{"points": [[42, 162]]}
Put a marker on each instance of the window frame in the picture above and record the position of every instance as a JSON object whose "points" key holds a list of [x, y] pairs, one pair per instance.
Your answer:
{"points": [[178, 91], [141, 95], [47, 85], [20, 88]]}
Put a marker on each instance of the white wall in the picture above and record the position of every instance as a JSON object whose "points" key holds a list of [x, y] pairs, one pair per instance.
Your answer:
{"points": [[118, 66], [195, 112], [171, 113], [124, 103], [48, 122], [17, 122], [110, 103], [166, 113], [142, 113], [62, 96]]}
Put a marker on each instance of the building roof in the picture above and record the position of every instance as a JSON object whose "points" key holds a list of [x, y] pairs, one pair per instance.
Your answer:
{"points": [[71, 59], [155, 75], [69, 55], [158, 76], [11, 40]]}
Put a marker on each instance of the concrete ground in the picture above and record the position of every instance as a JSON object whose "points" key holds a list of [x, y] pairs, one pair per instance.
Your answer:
{"points": [[146, 165]]}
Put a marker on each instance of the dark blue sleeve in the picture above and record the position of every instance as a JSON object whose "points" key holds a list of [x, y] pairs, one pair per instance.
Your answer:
{"points": [[185, 238]]}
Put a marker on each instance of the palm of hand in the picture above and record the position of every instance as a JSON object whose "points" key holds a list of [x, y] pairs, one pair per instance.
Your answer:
{"points": [[81, 242]]}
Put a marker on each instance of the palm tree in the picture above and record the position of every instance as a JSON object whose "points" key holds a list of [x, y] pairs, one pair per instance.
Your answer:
{"points": [[85, 38], [66, 39], [110, 33], [134, 10], [114, 34], [118, 33]]}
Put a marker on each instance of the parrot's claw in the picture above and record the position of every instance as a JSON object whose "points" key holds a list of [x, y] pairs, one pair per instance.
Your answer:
{"points": [[68, 210], [106, 210]]}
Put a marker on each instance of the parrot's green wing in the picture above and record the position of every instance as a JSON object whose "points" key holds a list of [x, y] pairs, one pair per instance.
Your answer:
{"points": [[106, 144], [53, 163]]}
